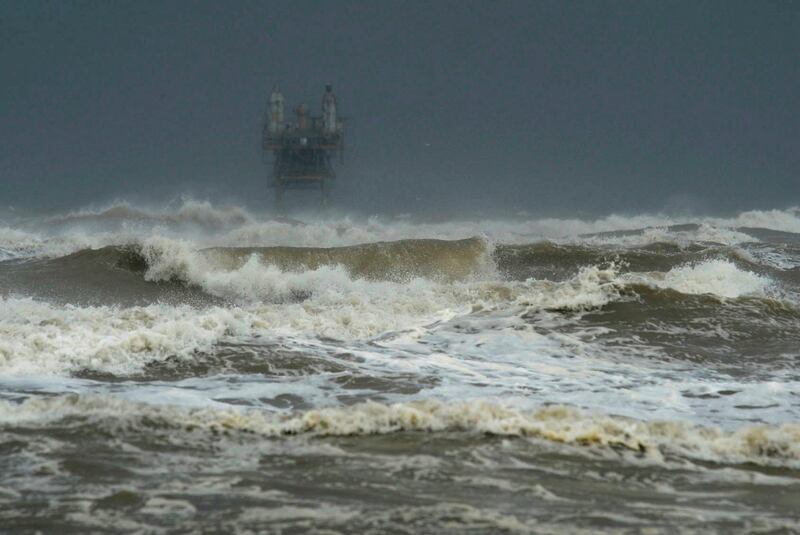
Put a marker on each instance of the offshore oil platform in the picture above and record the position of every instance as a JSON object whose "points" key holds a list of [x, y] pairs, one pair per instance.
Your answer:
{"points": [[302, 152]]}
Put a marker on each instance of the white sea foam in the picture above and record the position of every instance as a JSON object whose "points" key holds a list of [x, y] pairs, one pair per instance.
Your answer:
{"points": [[704, 233], [350, 231], [206, 225], [468, 337], [16, 243], [477, 356], [187, 211], [759, 444], [783, 220], [418, 327], [592, 287], [38, 337], [773, 258], [257, 279], [718, 277]]}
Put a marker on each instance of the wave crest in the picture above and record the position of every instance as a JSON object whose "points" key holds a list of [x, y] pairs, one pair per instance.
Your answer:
{"points": [[719, 277], [777, 445]]}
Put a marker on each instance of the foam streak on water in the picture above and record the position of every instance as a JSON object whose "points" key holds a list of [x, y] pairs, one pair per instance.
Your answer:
{"points": [[212, 368]]}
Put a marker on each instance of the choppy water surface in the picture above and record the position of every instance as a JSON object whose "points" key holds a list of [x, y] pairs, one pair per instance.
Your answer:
{"points": [[206, 369]]}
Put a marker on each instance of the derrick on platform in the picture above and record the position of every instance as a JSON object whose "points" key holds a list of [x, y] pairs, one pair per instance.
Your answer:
{"points": [[302, 152]]}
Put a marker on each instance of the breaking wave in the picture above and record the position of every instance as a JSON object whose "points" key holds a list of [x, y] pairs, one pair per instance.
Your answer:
{"points": [[151, 267], [636, 352], [92, 304], [776, 445], [716, 277], [188, 211], [399, 261], [42, 337], [208, 225]]}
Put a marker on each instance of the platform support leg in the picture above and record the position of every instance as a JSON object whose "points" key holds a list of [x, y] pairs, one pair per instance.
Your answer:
{"points": [[323, 203], [279, 196]]}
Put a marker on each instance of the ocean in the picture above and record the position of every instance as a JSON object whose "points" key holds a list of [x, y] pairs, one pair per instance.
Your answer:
{"points": [[206, 368]]}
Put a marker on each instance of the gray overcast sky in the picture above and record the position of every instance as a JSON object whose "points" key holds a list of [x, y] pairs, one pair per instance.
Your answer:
{"points": [[564, 107]]}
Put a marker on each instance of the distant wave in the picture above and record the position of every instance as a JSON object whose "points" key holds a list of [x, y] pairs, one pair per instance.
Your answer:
{"points": [[192, 211], [208, 225], [189, 212]]}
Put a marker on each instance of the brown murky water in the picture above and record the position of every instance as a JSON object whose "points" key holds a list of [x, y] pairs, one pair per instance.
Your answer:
{"points": [[160, 375]]}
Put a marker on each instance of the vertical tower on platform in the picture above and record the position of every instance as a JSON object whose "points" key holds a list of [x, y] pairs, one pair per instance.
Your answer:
{"points": [[302, 152]]}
